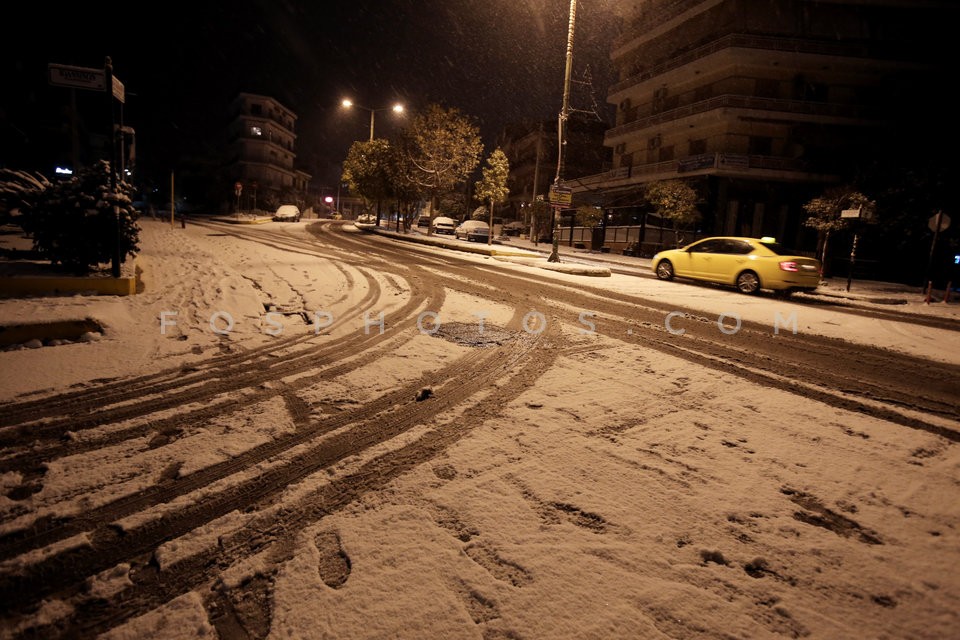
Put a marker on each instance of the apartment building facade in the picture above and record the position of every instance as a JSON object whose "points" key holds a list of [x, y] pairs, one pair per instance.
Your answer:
{"points": [[762, 104], [261, 142]]}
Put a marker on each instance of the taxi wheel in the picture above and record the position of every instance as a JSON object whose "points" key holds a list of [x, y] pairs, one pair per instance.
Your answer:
{"points": [[665, 270], [748, 282]]}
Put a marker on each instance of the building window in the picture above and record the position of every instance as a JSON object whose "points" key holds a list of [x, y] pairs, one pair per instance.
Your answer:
{"points": [[697, 147], [659, 99], [805, 89], [256, 109], [666, 153], [256, 131]]}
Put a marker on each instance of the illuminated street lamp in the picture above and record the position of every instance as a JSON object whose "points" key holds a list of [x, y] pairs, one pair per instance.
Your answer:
{"points": [[397, 108]]}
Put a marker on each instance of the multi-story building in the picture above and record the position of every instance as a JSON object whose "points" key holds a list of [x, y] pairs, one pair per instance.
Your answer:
{"points": [[761, 104], [261, 141]]}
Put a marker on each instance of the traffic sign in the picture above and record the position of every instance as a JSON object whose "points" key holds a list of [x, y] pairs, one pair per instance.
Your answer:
{"points": [[560, 195], [63, 75], [939, 222], [118, 90]]}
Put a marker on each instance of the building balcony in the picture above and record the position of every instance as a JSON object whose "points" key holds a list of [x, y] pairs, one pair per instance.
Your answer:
{"points": [[651, 16], [245, 113], [716, 164], [817, 110], [745, 41], [245, 138]]}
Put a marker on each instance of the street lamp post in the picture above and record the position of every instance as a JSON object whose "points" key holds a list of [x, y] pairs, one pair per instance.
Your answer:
{"points": [[562, 134], [396, 108]]}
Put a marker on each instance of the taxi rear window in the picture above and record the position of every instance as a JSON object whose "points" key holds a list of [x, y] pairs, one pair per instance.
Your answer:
{"points": [[779, 249]]}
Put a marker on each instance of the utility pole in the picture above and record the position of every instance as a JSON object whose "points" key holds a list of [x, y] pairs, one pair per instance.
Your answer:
{"points": [[536, 182], [562, 133], [108, 75]]}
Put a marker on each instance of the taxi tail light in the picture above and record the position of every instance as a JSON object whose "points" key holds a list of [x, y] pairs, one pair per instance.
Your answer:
{"points": [[789, 265]]}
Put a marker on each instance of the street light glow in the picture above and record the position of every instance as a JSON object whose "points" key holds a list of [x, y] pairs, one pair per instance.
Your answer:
{"points": [[348, 103]]}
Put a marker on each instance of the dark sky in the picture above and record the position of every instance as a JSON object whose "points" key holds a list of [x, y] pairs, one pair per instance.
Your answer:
{"points": [[498, 61]]}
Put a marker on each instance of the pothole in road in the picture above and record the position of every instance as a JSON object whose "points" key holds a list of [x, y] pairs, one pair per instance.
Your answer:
{"points": [[472, 334]]}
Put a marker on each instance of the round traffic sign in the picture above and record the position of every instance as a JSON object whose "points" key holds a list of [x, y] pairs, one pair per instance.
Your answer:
{"points": [[941, 219]]}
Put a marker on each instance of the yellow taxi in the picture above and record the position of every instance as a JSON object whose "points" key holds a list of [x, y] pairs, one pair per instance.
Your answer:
{"points": [[749, 264]]}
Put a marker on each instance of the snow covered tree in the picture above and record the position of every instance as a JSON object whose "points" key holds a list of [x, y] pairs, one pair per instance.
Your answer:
{"points": [[589, 216], [824, 215], [541, 218], [367, 171], [674, 200], [492, 187], [406, 190], [72, 222], [442, 147]]}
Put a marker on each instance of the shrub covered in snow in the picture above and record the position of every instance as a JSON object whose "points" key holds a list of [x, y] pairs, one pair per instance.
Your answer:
{"points": [[19, 190], [72, 222]]}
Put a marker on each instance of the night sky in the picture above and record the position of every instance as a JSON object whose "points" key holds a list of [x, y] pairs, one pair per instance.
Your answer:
{"points": [[498, 61]]}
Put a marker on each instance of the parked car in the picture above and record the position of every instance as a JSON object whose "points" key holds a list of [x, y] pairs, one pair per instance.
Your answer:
{"points": [[514, 228], [472, 230], [367, 218], [423, 221], [749, 264], [287, 213], [443, 224]]}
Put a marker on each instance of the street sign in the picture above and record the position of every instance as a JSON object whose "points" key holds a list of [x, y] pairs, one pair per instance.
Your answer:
{"points": [[560, 195], [851, 213], [237, 188], [62, 75], [939, 222], [118, 91]]}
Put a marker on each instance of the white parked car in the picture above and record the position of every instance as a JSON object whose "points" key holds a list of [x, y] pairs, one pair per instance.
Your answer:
{"points": [[443, 224], [287, 213], [472, 230]]}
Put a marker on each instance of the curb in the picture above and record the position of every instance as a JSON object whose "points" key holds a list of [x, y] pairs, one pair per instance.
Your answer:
{"points": [[862, 298], [46, 331], [58, 285], [499, 252], [243, 221], [564, 267]]}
